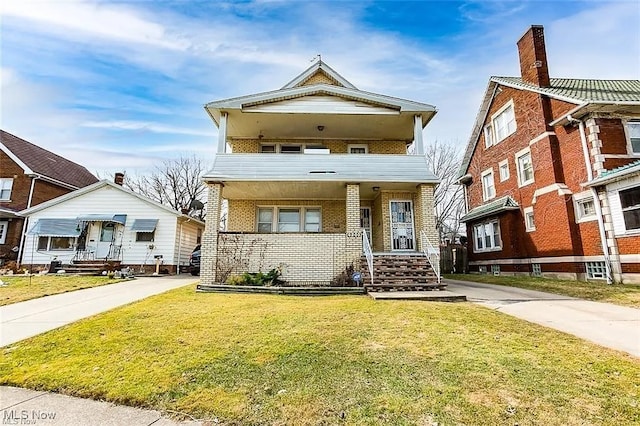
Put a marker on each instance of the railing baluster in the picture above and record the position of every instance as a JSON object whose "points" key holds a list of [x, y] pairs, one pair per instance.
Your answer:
{"points": [[430, 251]]}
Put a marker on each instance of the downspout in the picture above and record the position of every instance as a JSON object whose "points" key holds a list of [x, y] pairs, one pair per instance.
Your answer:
{"points": [[26, 221], [596, 199]]}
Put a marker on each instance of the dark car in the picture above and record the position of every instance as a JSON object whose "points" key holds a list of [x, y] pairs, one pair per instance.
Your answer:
{"points": [[194, 261]]}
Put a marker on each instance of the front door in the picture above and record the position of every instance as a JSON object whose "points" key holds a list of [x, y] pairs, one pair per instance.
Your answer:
{"points": [[365, 221], [107, 237], [402, 232]]}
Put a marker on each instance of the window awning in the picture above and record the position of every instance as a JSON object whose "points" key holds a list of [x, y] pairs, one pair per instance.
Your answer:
{"points": [[144, 225], [495, 207], [117, 218], [56, 228]]}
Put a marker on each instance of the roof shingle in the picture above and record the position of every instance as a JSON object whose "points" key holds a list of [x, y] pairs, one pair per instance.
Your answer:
{"points": [[46, 163]]}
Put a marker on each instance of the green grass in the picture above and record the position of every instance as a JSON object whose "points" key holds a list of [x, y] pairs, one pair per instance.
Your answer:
{"points": [[21, 288], [263, 359], [619, 294]]}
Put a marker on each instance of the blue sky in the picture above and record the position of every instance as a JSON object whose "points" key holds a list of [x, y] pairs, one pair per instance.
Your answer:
{"points": [[121, 85]]}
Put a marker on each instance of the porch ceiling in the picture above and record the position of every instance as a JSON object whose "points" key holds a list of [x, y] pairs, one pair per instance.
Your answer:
{"points": [[396, 126], [306, 190]]}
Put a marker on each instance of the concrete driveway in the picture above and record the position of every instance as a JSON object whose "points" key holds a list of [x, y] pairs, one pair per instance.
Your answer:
{"points": [[26, 319], [613, 326]]}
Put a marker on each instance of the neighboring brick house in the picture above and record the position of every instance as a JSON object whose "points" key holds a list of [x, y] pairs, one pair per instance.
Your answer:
{"points": [[30, 175], [552, 174], [311, 166]]}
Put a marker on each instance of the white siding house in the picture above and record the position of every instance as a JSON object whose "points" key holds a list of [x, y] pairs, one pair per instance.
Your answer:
{"points": [[105, 221]]}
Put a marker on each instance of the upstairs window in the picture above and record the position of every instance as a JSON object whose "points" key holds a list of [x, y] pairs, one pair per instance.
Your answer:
{"points": [[4, 228], [488, 187], [633, 133], [5, 189], [503, 166], [529, 223], [291, 149], [502, 124], [358, 149], [525, 167], [630, 202], [267, 149]]}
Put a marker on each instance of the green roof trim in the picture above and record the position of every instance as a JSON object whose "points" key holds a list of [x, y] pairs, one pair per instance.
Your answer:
{"points": [[500, 205], [616, 174]]}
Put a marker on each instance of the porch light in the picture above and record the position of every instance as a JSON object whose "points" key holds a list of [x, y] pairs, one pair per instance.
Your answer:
{"points": [[320, 128], [376, 188]]}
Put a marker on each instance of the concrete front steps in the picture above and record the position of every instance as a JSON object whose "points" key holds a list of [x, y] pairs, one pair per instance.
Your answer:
{"points": [[400, 272], [91, 267]]}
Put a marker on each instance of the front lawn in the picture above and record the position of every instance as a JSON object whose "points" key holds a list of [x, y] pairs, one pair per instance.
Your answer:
{"points": [[264, 359], [598, 291], [19, 288]]}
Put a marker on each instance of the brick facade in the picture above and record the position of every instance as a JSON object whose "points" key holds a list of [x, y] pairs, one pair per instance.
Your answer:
{"points": [[561, 242], [252, 146]]}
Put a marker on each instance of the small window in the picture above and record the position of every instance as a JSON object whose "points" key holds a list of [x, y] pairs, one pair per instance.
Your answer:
{"points": [[633, 132], [596, 270], [488, 136], [5, 189], [290, 149], [4, 228], [358, 149], [495, 269], [529, 222], [536, 270], [503, 124], [488, 187], [525, 168], [503, 166], [265, 219], [482, 269], [630, 202], [145, 236], [585, 209], [312, 220], [267, 149]]}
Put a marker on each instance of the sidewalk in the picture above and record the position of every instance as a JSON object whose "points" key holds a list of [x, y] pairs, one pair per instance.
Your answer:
{"points": [[612, 326], [26, 319], [27, 407]]}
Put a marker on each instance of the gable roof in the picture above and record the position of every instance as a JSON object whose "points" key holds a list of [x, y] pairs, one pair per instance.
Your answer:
{"points": [[582, 92], [319, 68], [35, 160], [98, 185], [500, 205]]}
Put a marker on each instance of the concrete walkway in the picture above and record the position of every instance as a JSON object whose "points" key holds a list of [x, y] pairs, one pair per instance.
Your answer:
{"points": [[26, 319], [27, 407], [612, 326]]}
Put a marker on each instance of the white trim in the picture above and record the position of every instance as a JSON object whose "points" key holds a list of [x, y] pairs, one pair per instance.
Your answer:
{"points": [[628, 137], [541, 137], [4, 230], [274, 218], [577, 200], [519, 172], [9, 188], [222, 133], [560, 187], [504, 162], [485, 195], [497, 245], [495, 115], [620, 156], [528, 212]]}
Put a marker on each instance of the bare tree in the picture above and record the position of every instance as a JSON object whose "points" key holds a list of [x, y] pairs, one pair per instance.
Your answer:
{"points": [[444, 161], [176, 183]]}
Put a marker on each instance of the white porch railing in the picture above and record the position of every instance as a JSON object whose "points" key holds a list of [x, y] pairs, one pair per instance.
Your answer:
{"points": [[366, 247], [432, 253]]}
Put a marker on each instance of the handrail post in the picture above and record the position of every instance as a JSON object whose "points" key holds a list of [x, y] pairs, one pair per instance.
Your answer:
{"points": [[366, 247]]}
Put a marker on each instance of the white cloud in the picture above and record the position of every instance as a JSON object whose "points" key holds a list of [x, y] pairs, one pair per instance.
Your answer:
{"points": [[147, 126]]}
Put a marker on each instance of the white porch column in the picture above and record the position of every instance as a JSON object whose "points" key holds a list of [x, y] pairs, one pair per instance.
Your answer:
{"points": [[418, 143], [222, 133]]}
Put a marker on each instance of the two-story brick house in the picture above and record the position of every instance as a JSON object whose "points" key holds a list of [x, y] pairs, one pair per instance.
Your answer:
{"points": [[306, 170], [552, 174], [30, 175]]}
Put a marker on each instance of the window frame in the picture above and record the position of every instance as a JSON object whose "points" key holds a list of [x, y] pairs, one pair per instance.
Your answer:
{"points": [[359, 146], [627, 132], [496, 245], [491, 137], [504, 165], [529, 219], [151, 234], [596, 267], [275, 219], [49, 239], [520, 171], [631, 208], [6, 184], [4, 230], [485, 195], [578, 201]]}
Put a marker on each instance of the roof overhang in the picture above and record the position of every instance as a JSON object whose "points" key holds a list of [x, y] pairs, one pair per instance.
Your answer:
{"points": [[501, 205], [600, 108], [622, 173]]}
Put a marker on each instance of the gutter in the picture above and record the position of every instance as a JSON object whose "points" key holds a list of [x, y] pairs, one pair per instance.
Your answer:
{"points": [[596, 199]]}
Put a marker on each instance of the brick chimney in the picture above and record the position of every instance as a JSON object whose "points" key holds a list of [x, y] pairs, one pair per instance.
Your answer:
{"points": [[119, 178], [533, 57]]}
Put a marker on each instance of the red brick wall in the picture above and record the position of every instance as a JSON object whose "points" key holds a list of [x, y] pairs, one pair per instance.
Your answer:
{"points": [[612, 135], [629, 245]]}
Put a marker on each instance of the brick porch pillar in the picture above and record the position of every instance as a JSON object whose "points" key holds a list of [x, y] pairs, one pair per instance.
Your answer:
{"points": [[354, 233], [425, 215], [210, 237]]}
